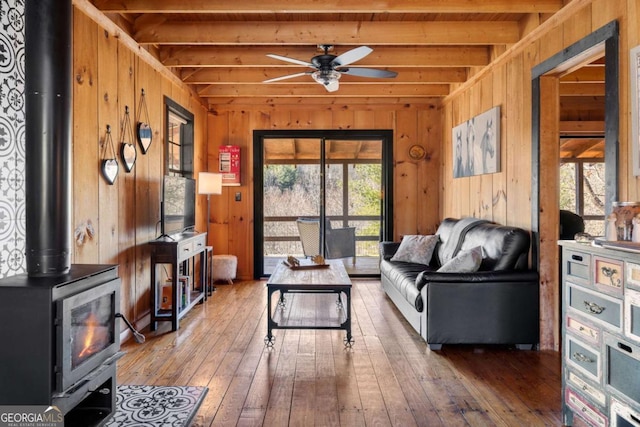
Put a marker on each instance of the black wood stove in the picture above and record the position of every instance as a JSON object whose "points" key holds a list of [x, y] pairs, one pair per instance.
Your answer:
{"points": [[61, 342]]}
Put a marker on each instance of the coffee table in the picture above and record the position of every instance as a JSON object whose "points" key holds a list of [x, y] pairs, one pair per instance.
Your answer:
{"points": [[330, 279]]}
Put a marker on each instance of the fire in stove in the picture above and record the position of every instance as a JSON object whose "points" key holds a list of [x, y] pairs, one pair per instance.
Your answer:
{"points": [[91, 329], [94, 337]]}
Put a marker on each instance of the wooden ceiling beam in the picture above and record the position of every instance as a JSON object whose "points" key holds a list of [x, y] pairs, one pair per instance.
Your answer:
{"points": [[382, 56], [337, 33], [330, 6], [149, 21], [315, 90], [582, 103], [582, 148], [582, 89], [253, 75], [595, 151], [266, 103], [581, 127], [585, 75]]}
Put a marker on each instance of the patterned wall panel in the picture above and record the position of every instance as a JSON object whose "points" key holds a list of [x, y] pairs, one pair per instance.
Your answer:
{"points": [[12, 143]]}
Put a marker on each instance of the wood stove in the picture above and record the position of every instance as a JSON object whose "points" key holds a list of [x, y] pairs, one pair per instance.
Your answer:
{"points": [[61, 342]]}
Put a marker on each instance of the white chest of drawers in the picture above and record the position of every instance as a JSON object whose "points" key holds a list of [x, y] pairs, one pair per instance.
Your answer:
{"points": [[600, 335]]}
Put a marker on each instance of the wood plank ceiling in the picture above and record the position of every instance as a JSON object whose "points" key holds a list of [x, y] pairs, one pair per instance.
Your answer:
{"points": [[220, 47]]}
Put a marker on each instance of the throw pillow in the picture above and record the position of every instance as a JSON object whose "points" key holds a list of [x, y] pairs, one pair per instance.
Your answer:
{"points": [[416, 249], [465, 262]]}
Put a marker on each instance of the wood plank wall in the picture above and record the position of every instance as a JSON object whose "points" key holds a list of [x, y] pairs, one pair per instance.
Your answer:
{"points": [[113, 223], [123, 217], [415, 182], [505, 197]]}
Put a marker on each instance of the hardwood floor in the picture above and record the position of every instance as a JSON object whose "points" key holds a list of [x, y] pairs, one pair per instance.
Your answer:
{"points": [[388, 378]]}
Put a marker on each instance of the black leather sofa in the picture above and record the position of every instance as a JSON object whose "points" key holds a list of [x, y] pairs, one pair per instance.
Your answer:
{"points": [[498, 304]]}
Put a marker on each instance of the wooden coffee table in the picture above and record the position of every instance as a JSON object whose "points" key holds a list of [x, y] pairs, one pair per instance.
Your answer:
{"points": [[328, 280]]}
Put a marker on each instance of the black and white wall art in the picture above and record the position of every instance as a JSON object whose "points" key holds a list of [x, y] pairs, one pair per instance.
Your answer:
{"points": [[12, 142], [476, 145]]}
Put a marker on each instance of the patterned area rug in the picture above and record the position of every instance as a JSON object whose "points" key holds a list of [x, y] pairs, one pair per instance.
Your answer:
{"points": [[145, 405]]}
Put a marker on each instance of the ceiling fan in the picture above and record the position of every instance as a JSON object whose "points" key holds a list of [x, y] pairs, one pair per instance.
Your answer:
{"points": [[328, 68]]}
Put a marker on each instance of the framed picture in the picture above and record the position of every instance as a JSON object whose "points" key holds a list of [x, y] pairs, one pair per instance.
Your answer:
{"points": [[229, 157], [476, 145], [635, 112]]}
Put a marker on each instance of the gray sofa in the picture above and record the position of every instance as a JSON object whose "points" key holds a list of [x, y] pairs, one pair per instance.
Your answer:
{"points": [[498, 304]]}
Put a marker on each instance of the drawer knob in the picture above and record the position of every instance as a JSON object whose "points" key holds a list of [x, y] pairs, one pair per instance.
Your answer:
{"points": [[610, 273], [625, 347], [582, 357], [588, 331], [576, 257], [592, 307]]}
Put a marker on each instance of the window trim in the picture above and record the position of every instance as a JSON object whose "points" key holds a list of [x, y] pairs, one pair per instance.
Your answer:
{"points": [[186, 138]]}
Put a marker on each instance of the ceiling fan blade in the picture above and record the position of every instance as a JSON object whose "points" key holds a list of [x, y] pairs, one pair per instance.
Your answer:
{"points": [[370, 72], [293, 61], [351, 56], [289, 76]]}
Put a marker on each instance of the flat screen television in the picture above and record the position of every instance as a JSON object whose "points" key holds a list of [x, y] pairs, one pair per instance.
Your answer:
{"points": [[178, 207]]}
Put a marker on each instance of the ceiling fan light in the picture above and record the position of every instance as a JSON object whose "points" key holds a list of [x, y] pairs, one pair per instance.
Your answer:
{"points": [[326, 77], [332, 86]]}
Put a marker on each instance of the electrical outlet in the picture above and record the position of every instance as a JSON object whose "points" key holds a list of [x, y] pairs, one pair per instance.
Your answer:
{"points": [[238, 196]]}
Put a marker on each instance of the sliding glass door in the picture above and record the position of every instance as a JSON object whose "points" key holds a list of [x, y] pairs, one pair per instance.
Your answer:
{"points": [[291, 190], [321, 192]]}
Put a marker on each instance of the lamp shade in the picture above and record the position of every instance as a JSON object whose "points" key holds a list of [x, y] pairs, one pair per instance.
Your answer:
{"points": [[209, 183]]}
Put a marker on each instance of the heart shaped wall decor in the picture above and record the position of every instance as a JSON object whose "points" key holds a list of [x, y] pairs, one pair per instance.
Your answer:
{"points": [[128, 154], [145, 135], [110, 170]]}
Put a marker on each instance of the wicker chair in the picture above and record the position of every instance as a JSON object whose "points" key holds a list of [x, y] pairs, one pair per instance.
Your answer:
{"points": [[339, 242]]}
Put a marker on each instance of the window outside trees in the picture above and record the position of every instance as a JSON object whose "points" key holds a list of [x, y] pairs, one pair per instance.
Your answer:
{"points": [[582, 191], [339, 180]]}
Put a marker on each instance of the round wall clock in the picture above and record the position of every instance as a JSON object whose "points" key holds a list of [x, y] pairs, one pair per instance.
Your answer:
{"points": [[416, 152]]}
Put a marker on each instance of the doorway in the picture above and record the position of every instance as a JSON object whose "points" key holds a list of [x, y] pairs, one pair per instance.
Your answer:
{"points": [[545, 160], [322, 193]]}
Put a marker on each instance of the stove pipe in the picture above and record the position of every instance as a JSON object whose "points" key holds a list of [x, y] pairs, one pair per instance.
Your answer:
{"points": [[48, 64]]}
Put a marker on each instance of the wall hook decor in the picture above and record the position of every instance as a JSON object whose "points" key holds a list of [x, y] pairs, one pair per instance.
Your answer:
{"points": [[143, 129], [127, 149], [109, 165], [84, 230]]}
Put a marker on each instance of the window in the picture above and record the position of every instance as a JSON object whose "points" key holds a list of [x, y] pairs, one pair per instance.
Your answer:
{"points": [[179, 140], [582, 191]]}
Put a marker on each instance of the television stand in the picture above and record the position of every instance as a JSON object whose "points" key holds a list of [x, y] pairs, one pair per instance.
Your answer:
{"points": [[175, 292]]}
